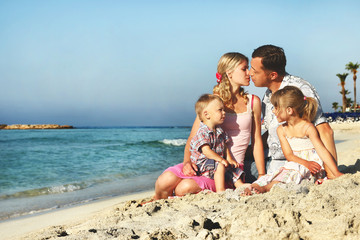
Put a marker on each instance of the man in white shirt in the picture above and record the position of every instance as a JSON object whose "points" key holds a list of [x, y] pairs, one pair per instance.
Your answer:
{"points": [[268, 70]]}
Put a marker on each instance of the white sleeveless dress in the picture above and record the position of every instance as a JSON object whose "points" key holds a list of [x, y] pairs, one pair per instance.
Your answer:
{"points": [[292, 171]]}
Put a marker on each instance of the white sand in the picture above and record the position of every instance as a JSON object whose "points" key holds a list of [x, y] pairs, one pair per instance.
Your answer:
{"points": [[306, 211]]}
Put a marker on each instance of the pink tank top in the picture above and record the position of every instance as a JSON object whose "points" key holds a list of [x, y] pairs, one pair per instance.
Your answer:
{"points": [[238, 127]]}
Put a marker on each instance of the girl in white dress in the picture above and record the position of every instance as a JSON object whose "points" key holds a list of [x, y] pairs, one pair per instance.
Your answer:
{"points": [[300, 142]]}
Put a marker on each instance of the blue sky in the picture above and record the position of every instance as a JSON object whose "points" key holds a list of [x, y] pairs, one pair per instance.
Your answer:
{"points": [[145, 63]]}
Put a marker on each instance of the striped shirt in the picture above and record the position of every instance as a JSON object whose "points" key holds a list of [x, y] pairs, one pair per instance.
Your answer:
{"points": [[205, 136]]}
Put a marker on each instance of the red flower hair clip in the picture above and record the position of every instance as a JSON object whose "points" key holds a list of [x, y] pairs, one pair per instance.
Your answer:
{"points": [[218, 76]]}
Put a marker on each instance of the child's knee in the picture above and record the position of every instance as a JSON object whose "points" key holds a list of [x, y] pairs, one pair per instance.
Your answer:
{"points": [[220, 168]]}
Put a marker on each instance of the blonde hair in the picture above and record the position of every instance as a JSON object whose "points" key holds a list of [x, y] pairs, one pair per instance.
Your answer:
{"points": [[291, 96], [227, 63], [203, 102]]}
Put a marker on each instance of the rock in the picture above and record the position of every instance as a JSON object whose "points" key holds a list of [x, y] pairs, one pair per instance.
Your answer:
{"points": [[34, 126]]}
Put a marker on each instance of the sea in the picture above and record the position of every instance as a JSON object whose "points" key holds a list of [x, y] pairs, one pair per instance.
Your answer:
{"points": [[41, 170]]}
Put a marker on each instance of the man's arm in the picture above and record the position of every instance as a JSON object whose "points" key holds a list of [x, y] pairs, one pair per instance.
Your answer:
{"points": [[327, 137]]}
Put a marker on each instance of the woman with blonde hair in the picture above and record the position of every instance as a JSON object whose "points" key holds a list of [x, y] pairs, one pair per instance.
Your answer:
{"points": [[242, 124]]}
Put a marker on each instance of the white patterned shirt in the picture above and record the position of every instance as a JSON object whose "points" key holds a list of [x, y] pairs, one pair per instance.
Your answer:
{"points": [[270, 121]]}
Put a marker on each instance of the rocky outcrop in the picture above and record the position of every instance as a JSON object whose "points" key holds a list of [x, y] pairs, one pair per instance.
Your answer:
{"points": [[34, 126]]}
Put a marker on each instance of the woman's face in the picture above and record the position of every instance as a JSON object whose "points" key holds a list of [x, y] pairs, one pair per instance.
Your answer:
{"points": [[240, 76]]}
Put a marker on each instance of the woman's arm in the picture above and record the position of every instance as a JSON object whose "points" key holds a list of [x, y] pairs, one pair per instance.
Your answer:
{"points": [[189, 169], [322, 151], [257, 144], [290, 156]]}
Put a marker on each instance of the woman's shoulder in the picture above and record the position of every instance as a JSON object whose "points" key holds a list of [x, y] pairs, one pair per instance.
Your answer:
{"points": [[253, 96], [254, 101]]}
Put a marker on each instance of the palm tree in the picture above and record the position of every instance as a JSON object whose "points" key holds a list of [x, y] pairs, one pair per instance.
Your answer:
{"points": [[342, 82], [335, 106], [352, 67], [349, 102]]}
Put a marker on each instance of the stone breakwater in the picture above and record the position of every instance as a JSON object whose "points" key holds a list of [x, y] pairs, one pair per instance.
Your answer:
{"points": [[34, 126]]}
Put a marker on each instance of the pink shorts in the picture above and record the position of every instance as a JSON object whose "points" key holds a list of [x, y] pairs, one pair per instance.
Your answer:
{"points": [[203, 182]]}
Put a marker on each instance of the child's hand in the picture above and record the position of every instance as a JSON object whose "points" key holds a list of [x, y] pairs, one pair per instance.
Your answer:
{"points": [[225, 162], [314, 167], [233, 163]]}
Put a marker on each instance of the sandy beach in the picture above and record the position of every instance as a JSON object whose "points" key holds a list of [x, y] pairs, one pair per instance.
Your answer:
{"points": [[305, 211]]}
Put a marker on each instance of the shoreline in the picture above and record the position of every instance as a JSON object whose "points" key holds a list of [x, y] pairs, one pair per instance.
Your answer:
{"points": [[33, 126], [312, 210], [14, 208], [30, 223]]}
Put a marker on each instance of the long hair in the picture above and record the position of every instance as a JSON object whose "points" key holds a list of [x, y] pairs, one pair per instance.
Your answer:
{"points": [[291, 96], [227, 63]]}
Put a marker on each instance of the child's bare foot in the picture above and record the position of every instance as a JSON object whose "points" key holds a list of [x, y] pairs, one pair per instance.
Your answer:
{"points": [[147, 201], [258, 189], [339, 174], [247, 192], [333, 176]]}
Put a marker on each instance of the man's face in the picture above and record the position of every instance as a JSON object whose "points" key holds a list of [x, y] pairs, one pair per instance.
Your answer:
{"points": [[258, 75]]}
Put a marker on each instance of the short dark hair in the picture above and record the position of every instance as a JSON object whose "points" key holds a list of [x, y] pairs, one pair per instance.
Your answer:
{"points": [[273, 58]]}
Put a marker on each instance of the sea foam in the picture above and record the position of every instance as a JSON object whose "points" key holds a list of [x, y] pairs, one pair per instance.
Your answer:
{"points": [[174, 142]]}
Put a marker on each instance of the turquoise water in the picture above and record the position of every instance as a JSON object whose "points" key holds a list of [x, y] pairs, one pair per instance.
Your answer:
{"points": [[45, 169]]}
